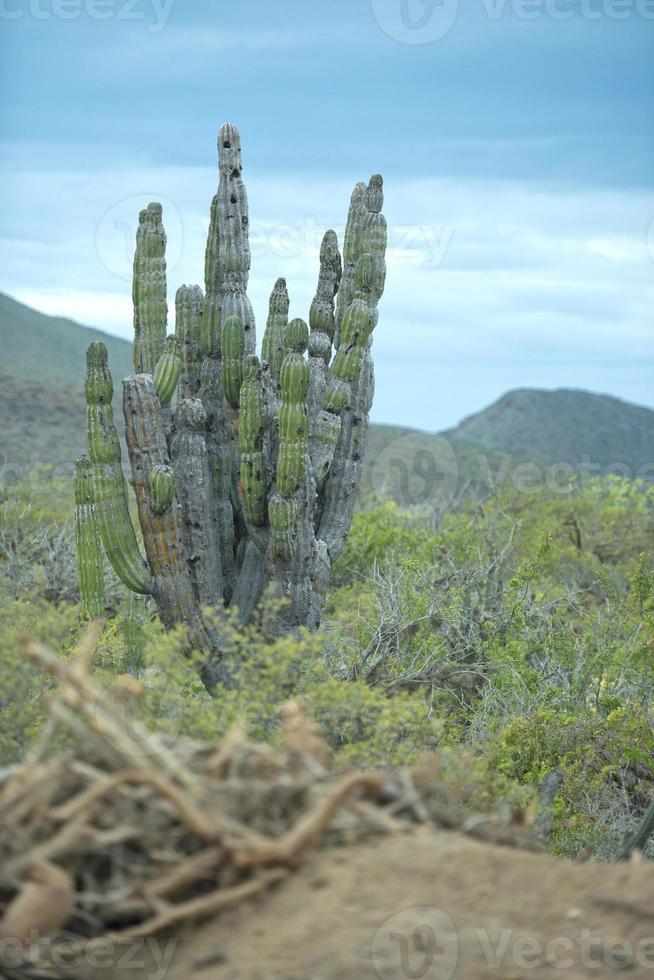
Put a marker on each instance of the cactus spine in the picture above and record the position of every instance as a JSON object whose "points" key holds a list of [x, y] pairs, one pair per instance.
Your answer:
{"points": [[90, 570], [248, 477]]}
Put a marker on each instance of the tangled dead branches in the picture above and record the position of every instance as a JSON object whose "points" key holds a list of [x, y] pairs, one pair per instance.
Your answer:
{"points": [[137, 835]]}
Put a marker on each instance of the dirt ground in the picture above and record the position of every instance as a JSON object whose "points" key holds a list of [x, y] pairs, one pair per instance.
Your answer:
{"points": [[432, 906]]}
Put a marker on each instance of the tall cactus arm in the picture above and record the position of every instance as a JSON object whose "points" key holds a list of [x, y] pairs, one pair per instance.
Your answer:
{"points": [[189, 311], [273, 345], [227, 263], [109, 491], [352, 383], [167, 371], [291, 505], [162, 529], [352, 249], [219, 503], [324, 427], [194, 488], [212, 287], [134, 618], [90, 569], [149, 290], [322, 314], [233, 235], [162, 526], [252, 422], [293, 415], [233, 352], [254, 426]]}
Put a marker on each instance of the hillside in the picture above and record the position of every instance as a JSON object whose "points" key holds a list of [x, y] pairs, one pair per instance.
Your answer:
{"points": [[41, 386], [42, 407], [564, 426]]}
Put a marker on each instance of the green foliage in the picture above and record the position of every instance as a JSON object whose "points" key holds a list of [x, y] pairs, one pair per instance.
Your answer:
{"points": [[22, 687], [514, 638]]}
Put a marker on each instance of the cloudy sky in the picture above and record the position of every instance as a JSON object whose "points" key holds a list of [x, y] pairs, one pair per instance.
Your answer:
{"points": [[515, 138]]}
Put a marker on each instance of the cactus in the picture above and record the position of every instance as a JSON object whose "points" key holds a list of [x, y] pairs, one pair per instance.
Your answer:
{"points": [[233, 351], [134, 617], [167, 371], [244, 471], [161, 488], [149, 290], [90, 570], [254, 478], [272, 347]]}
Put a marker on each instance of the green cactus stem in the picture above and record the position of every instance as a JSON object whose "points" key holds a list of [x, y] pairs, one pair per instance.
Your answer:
{"points": [[210, 328], [133, 621], [322, 315], [352, 249], [161, 487], [162, 532], [293, 416], [254, 478], [167, 371], [212, 398], [90, 567], [233, 252], [352, 387], [273, 347], [109, 491], [283, 515], [194, 482], [189, 310], [233, 351], [149, 290]]}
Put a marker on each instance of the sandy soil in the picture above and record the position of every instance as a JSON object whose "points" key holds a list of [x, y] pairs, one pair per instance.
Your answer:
{"points": [[432, 906]]}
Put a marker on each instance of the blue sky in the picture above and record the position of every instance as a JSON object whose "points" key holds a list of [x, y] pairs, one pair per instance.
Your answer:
{"points": [[515, 138]]}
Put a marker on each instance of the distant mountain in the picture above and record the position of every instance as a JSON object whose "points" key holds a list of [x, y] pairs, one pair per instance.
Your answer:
{"points": [[42, 360], [42, 363], [595, 432]]}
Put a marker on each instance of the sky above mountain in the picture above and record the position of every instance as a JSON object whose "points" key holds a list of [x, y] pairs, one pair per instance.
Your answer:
{"points": [[515, 138]]}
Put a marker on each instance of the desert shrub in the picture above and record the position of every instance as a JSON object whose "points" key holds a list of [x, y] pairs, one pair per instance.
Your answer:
{"points": [[605, 763], [22, 686]]}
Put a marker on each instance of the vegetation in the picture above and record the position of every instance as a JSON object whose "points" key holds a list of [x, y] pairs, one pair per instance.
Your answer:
{"points": [[514, 637]]}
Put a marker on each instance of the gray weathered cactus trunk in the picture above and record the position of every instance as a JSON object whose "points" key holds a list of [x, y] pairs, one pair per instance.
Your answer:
{"points": [[248, 480]]}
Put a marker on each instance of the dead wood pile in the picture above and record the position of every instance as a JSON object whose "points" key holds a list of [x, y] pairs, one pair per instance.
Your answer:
{"points": [[127, 833]]}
